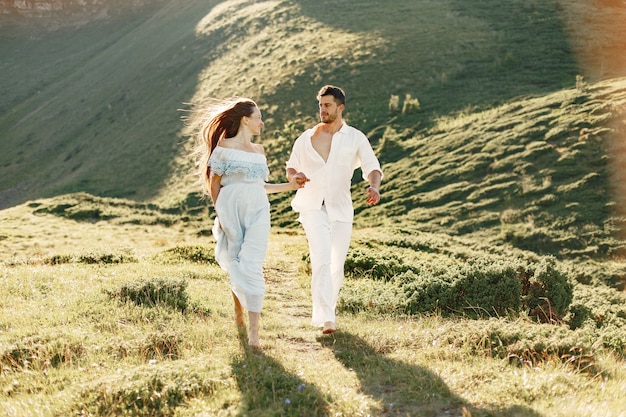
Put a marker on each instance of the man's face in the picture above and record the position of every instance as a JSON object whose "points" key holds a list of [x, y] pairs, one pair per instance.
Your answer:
{"points": [[329, 110]]}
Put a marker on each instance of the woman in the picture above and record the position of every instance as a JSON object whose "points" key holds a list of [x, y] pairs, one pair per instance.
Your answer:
{"points": [[234, 171]]}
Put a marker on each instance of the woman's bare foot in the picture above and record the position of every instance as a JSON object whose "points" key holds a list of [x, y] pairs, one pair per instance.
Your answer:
{"points": [[239, 317], [253, 341]]}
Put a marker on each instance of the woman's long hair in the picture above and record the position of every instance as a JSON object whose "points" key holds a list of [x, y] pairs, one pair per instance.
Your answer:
{"points": [[222, 121]]}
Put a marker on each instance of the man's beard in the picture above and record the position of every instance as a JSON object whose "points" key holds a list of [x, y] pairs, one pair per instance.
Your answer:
{"points": [[329, 118]]}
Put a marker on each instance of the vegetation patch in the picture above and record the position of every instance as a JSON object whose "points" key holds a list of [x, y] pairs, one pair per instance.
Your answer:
{"points": [[187, 253], [40, 352], [154, 292], [524, 343], [145, 391], [478, 287], [91, 258]]}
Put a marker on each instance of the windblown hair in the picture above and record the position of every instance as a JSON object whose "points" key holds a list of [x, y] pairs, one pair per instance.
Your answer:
{"points": [[221, 121]]}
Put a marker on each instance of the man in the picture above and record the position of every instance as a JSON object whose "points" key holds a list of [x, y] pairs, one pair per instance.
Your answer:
{"points": [[325, 157]]}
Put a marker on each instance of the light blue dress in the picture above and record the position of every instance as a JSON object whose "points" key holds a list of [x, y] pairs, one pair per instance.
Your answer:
{"points": [[243, 226]]}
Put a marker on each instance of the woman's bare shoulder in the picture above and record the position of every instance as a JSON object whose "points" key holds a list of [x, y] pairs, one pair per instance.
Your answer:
{"points": [[258, 148]]}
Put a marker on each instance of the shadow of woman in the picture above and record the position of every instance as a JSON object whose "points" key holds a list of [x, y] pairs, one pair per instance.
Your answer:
{"points": [[401, 388], [268, 389]]}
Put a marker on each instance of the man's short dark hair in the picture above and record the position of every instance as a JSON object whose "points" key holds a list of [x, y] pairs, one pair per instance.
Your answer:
{"points": [[331, 90]]}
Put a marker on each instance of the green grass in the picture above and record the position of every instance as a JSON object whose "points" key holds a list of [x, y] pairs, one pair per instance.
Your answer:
{"points": [[536, 167], [489, 281], [108, 338]]}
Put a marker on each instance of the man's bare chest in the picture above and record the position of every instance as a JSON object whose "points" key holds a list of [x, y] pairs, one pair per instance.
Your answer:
{"points": [[322, 142]]}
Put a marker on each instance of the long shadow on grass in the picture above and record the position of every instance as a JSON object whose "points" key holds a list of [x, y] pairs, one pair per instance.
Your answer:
{"points": [[401, 388], [269, 389]]}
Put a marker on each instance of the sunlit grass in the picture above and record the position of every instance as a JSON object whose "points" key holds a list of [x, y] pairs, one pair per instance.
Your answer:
{"points": [[70, 344], [113, 305]]}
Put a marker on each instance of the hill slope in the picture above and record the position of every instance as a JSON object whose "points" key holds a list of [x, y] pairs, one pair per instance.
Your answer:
{"points": [[542, 173], [95, 108]]}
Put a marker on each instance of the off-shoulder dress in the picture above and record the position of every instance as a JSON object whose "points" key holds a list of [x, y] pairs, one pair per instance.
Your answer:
{"points": [[242, 224]]}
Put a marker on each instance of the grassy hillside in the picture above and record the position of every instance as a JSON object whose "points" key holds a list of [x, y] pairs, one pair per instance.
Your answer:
{"points": [[94, 108], [541, 173], [474, 109], [113, 308], [489, 281]]}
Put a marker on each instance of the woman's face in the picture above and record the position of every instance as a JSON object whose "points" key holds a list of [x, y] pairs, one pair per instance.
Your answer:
{"points": [[255, 122]]}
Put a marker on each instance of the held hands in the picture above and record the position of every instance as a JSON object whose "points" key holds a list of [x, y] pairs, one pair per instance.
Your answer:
{"points": [[373, 196], [298, 180]]}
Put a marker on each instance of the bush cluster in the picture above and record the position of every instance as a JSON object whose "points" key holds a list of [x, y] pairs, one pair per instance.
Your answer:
{"points": [[476, 287], [91, 258], [155, 292], [188, 253]]}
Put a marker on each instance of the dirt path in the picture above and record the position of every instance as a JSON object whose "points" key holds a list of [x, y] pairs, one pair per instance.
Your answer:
{"points": [[287, 309]]}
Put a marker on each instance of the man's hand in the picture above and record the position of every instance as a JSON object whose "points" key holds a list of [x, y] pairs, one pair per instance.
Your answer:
{"points": [[373, 196], [373, 193]]}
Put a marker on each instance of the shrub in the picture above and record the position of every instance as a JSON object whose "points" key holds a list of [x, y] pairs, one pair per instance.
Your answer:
{"points": [[547, 291], [374, 265], [600, 310], [478, 288], [154, 292], [58, 259], [367, 295], [106, 258], [91, 258], [191, 253]]}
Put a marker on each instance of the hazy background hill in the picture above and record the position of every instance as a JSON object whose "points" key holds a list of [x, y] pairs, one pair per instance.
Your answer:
{"points": [[488, 116]]}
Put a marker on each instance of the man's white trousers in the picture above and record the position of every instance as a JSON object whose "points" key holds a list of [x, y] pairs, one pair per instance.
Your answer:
{"points": [[329, 242]]}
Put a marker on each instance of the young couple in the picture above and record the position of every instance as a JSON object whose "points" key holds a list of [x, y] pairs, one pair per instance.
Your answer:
{"points": [[234, 172]]}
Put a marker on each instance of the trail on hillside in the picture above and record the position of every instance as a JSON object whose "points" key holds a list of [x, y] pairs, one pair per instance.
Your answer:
{"points": [[288, 297], [370, 375]]}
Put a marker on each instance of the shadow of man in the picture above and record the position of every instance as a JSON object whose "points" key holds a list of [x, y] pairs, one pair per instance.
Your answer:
{"points": [[268, 389], [404, 389]]}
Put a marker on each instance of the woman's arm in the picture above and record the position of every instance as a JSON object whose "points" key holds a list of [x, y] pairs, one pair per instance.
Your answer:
{"points": [[216, 185], [294, 184]]}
